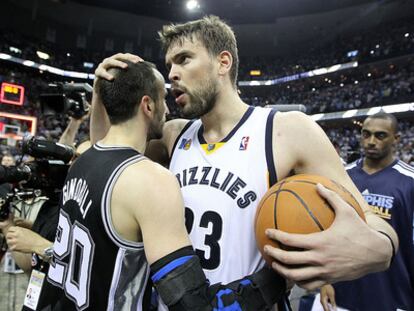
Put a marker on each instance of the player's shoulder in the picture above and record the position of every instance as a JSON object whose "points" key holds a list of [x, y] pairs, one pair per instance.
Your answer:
{"points": [[293, 118], [147, 173], [173, 129], [404, 169], [294, 125]]}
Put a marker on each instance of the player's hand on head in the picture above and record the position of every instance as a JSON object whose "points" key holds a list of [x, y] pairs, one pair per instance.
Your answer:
{"points": [[115, 61], [348, 249]]}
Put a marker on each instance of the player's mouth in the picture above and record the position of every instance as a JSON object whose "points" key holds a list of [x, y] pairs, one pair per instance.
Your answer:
{"points": [[179, 95]]}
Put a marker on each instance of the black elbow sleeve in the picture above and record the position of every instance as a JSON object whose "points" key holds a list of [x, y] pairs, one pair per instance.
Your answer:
{"points": [[182, 285]]}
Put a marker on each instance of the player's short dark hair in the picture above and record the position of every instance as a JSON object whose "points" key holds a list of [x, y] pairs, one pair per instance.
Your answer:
{"points": [[122, 95], [211, 31], [386, 116]]}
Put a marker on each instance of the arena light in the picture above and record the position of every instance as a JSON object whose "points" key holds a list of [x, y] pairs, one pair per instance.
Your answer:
{"points": [[192, 5], [5, 56], [88, 64], [350, 113], [51, 69], [15, 50], [28, 63], [369, 74], [42, 55], [373, 110], [399, 108], [406, 35], [255, 73]]}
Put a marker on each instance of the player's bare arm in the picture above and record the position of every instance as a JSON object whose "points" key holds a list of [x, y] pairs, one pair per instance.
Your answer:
{"points": [[175, 269], [301, 146]]}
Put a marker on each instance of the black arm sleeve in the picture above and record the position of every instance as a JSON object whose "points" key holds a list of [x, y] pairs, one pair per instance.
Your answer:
{"points": [[182, 285]]}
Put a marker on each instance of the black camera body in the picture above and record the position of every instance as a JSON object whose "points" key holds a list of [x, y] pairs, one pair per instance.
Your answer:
{"points": [[47, 172], [66, 98]]}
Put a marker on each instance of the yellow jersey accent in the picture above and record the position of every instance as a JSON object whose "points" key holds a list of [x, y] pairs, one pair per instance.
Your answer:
{"points": [[210, 148]]}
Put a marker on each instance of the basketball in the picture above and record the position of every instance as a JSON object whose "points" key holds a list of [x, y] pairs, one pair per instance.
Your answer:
{"points": [[293, 205]]}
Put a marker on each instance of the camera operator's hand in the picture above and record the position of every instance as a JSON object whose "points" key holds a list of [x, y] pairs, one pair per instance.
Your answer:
{"points": [[24, 223], [24, 240]]}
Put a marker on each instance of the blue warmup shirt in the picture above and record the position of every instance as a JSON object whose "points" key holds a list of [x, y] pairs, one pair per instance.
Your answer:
{"points": [[390, 194]]}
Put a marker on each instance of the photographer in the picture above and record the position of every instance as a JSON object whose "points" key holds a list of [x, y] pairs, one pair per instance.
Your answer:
{"points": [[31, 248]]}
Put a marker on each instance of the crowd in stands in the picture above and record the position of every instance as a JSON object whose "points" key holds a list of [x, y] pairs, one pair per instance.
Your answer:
{"points": [[391, 83], [394, 86], [386, 40]]}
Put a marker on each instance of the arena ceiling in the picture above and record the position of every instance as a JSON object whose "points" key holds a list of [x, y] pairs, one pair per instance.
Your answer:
{"points": [[234, 11]]}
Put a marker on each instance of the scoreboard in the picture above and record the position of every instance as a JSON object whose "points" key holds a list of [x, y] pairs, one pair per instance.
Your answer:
{"points": [[12, 94]]}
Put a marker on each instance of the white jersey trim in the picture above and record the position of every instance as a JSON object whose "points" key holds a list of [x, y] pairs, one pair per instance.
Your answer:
{"points": [[101, 147], [403, 170], [106, 206], [115, 278]]}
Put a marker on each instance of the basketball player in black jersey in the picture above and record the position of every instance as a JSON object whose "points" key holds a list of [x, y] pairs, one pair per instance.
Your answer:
{"points": [[122, 218], [202, 60]]}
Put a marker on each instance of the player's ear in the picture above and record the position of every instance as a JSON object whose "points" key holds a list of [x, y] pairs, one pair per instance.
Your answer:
{"points": [[225, 60], [397, 137], [147, 106]]}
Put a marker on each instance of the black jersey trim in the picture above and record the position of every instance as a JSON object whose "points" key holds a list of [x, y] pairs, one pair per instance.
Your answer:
{"points": [[106, 204], [185, 128], [269, 149], [246, 115]]}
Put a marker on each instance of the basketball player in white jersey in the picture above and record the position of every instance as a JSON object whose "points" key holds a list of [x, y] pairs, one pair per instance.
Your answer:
{"points": [[122, 219], [227, 157]]}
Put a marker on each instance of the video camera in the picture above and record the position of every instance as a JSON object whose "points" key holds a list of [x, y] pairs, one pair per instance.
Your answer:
{"points": [[66, 98], [46, 173]]}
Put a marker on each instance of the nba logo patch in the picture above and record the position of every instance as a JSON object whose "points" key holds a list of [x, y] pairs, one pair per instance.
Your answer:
{"points": [[244, 142], [185, 144]]}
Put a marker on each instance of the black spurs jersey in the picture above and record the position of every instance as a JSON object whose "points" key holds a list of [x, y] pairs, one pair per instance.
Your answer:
{"points": [[95, 268]]}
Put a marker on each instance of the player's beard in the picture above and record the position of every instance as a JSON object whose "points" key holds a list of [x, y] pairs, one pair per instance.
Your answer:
{"points": [[201, 100]]}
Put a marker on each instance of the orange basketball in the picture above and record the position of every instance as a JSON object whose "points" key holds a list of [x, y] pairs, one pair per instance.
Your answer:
{"points": [[293, 205]]}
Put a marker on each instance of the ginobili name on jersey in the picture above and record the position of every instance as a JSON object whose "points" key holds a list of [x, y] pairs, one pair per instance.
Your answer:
{"points": [[77, 189]]}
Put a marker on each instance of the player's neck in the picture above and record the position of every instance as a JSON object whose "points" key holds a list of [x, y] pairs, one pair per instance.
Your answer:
{"points": [[372, 166], [126, 135], [227, 112]]}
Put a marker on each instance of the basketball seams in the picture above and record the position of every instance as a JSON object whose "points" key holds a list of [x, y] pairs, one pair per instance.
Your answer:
{"points": [[355, 202], [308, 210]]}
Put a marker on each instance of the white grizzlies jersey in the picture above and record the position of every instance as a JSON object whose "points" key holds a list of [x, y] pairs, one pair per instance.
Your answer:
{"points": [[222, 184]]}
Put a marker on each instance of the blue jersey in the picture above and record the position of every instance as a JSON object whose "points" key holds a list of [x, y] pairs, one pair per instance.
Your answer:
{"points": [[390, 194]]}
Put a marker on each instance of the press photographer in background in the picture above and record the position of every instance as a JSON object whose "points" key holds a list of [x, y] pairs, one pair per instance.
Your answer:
{"points": [[31, 248], [44, 176]]}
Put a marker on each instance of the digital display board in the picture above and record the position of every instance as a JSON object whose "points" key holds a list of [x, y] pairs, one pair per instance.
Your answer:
{"points": [[12, 94]]}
